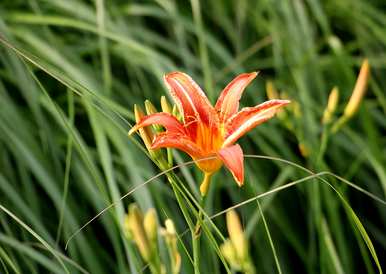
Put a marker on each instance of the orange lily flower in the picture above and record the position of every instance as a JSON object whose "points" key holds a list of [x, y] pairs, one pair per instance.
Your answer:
{"points": [[208, 131]]}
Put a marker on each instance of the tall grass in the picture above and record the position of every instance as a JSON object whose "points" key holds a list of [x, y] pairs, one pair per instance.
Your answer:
{"points": [[70, 73]]}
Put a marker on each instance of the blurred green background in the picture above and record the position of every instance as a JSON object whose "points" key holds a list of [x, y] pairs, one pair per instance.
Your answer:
{"points": [[72, 70]]}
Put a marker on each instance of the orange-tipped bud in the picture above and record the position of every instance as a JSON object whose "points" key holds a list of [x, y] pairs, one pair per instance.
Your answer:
{"points": [[359, 90]]}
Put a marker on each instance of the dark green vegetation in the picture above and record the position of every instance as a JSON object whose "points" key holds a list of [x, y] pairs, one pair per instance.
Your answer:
{"points": [[67, 93]]}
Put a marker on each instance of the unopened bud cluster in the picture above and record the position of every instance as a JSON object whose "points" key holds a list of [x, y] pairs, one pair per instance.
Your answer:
{"points": [[143, 231], [356, 98], [162, 157], [329, 119]]}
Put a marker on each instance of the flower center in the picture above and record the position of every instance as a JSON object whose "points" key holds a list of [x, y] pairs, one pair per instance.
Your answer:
{"points": [[210, 140]]}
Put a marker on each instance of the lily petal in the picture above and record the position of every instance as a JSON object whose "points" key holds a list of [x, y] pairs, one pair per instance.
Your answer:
{"points": [[228, 102], [250, 117], [178, 141], [190, 99], [164, 119], [233, 159]]}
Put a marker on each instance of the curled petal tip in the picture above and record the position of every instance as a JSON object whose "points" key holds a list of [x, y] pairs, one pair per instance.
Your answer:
{"points": [[284, 102], [251, 75], [254, 73], [165, 76], [171, 74]]}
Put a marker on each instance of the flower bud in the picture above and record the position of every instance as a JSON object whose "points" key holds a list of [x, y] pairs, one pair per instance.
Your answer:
{"points": [[304, 151], [135, 225], [236, 234], [145, 132], [331, 105], [151, 109], [359, 90], [229, 253], [176, 113], [169, 225], [271, 91], [171, 242], [150, 224], [147, 137], [165, 105]]}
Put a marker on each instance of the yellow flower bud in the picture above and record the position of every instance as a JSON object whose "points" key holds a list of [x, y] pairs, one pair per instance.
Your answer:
{"points": [[331, 105], [135, 225], [171, 242], [359, 90], [271, 91], [165, 105], [176, 113], [169, 225], [145, 132], [228, 251], [147, 137], [236, 234], [150, 224], [151, 109], [304, 151]]}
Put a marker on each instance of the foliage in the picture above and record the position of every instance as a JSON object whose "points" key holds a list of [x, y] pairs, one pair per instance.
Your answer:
{"points": [[70, 73]]}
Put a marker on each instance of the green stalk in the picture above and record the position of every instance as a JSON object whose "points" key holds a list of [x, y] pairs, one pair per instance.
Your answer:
{"points": [[196, 252], [196, 237]]}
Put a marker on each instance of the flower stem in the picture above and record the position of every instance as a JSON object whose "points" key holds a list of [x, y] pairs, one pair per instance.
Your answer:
{"points": [[195, 229], [196, 252], [196, 236], [205, 183]]}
